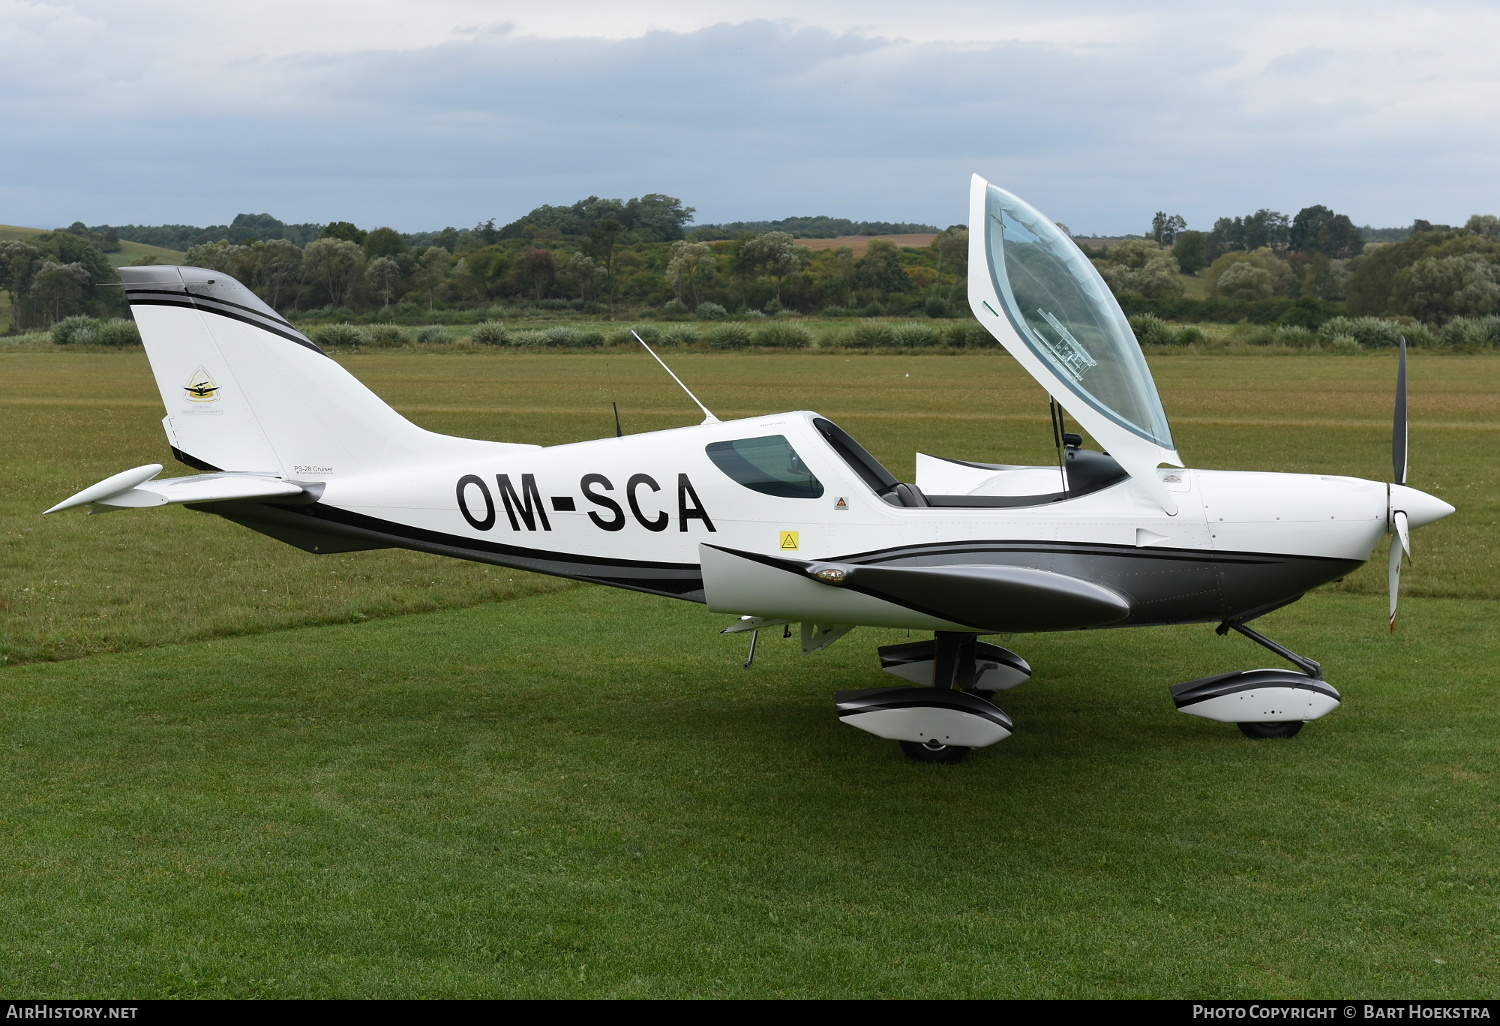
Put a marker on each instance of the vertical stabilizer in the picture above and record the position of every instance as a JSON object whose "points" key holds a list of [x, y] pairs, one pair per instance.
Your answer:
{"points": [[244, 390]]}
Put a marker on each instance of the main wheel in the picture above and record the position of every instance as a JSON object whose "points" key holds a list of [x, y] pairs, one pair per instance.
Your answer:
{"points": [[1264, 730], [918, 751]]}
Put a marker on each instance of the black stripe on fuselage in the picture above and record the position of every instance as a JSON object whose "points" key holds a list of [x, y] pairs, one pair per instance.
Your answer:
{"points": [[674, 580], [221, 308], [897, 553]]}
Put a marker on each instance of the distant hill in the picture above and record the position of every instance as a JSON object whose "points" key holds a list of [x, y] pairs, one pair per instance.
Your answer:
{"points": [[819, 227], [860, 243], [185, 236], [127, 253]]}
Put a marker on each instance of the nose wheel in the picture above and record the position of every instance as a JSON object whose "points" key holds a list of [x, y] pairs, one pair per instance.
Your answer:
{"points": [[932, 751], [1269, 730]]}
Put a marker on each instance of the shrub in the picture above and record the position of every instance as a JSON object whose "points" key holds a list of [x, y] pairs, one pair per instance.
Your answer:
{"points": [[649, 333], [1151, 330], [773, 306], [915, 335], [753, 315], [1472, 332], [837, 311], [1283, 335], [873, 310], [117, 331], [712, 312], [936, 306], [679, 335], [339, 336], [565, 336], [674, 309], [969, 335], [871, 335], [729, 335], [1343, 344], [75, 331], [1192, 335], [490, 333], [386, 335], [528, 339], [1368, 332], [432, 333], [783, 336]]}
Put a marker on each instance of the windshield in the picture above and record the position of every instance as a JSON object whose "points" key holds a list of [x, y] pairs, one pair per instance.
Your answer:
{"points": [[769, 465], [1066, 315]]}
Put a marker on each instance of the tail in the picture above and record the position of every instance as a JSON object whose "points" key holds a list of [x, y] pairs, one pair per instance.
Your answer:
{"points": [[246, 391]]}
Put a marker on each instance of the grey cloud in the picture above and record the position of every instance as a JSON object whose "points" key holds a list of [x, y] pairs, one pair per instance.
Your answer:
{"points": [[741, 120]]}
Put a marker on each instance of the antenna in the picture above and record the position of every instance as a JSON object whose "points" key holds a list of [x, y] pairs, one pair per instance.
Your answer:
{"points": [[708, 418], [619, 431]]}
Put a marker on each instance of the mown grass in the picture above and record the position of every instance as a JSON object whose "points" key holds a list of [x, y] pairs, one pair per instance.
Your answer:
{"points": [[72, 585], [582, 794]]}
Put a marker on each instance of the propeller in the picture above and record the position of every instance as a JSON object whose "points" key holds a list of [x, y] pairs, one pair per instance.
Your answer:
{"points": [[1396, 518]]}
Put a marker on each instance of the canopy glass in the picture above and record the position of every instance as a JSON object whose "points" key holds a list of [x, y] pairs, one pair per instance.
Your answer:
{"points": [[1066, 315]]}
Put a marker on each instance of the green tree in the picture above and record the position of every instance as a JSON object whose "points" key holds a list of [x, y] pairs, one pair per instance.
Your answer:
{"points": [[1164, 228], [1191, 252], [1141, 267], [1245, 280], [343, 230], [1438, 288], [383, 274], [58, 290], [1318, 229], [432, 273], [383, 242], [880, 269], [602, 239], [952, 245], [1279, 278], [582, 275], [534, 271], [691, 266], [334, 266], [777, 255], [1484, 224], [19, 264], [278, 266]]}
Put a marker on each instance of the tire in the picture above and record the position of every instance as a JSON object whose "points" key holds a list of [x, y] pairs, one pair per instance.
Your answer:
{"points": [[1260, 731], [916, 751]]}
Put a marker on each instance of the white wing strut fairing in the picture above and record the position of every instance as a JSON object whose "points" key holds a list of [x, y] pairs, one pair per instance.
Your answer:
{"points": [[785, 518]]}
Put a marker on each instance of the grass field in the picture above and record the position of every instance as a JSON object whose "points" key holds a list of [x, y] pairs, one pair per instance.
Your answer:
{"points": [[527, 788]]}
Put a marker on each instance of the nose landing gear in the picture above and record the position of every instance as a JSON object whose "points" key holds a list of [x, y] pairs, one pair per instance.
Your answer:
{"points": [[1262, 703]]}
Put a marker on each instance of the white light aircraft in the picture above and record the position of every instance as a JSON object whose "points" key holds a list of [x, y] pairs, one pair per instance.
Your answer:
{"points": [[786, 519]]}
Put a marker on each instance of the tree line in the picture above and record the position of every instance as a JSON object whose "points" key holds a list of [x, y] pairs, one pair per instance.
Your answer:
{"points": [[602, 256], [1307, 268]]}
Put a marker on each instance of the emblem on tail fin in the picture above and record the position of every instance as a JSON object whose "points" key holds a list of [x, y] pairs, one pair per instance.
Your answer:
{"points": [[201, 387]]}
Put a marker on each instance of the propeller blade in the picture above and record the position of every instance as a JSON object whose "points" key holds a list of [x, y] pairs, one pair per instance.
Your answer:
{"points": [[1394, 579], [1403, 531], [1399, 430]]}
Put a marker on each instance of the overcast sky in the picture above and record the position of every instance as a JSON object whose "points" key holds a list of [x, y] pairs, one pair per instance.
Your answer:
{"points": [[420, 115]]}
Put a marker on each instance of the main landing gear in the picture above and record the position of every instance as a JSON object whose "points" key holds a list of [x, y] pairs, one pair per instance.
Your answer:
{"points": [[1262, 703], [952, 714]]}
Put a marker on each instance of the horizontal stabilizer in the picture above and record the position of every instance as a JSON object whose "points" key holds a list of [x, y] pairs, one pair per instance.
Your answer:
{"points": [[134, 489]]}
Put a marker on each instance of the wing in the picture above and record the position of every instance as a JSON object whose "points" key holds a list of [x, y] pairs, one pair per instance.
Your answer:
{"points": [[997, 599]]}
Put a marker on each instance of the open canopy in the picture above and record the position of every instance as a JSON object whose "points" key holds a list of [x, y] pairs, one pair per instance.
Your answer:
{"points": [[1041, 298]]}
